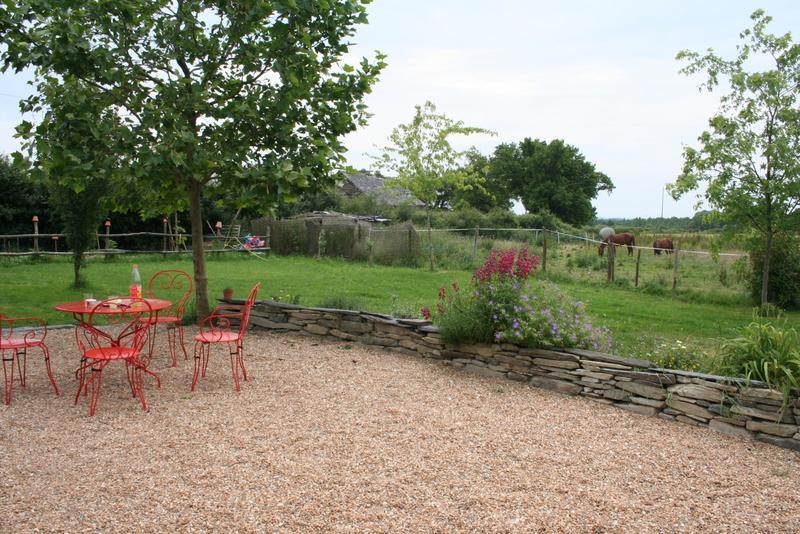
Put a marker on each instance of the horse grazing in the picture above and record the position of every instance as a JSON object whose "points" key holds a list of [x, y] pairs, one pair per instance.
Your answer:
{"points": [[625, 239], [664, 244]]}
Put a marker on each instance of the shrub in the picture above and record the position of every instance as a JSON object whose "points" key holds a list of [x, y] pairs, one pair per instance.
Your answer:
{"points": [[767, 353], [784, 273], [462, 318], [505, 306], [342, 302]]}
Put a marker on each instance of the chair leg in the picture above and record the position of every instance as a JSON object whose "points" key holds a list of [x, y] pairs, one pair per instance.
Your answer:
{"points": [[80, 374], [138, 379], [8, 372], [179, 326], [95, 381], [46, 352], [198, 354], [206, 355], [241, 361], [171, 342], [22, 366], [234, 365]]}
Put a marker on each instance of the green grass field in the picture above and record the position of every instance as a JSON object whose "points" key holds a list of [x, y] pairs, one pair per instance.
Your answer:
{"points": [[642, 324]]}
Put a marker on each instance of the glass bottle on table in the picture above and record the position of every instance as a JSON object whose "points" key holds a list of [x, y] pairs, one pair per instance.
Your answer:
{"points": [[136, 283]]}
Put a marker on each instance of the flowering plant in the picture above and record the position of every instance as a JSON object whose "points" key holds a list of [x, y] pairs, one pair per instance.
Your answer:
{"points": [[505, 306]]}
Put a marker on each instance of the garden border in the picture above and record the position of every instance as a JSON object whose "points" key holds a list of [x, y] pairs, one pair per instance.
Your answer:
{"points": [[724, 404]]}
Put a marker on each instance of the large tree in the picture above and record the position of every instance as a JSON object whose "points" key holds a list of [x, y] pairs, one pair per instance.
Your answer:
{"points": [[238, 96], [748, 158], [422, 160], [554, 176]]}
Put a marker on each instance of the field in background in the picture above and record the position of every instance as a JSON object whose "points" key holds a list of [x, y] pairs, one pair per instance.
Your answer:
{"points": [[645, 325]]}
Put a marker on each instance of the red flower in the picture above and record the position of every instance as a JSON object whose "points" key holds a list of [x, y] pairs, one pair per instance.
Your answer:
{"points": [[507, 264], [426, 313]]}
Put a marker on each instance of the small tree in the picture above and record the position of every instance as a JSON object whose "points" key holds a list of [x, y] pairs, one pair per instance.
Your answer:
{"points": [[423, 161], [208, 95], [748, 157]]}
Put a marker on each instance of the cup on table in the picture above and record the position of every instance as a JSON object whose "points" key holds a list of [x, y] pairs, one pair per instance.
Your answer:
{"points": [[89, 300]]}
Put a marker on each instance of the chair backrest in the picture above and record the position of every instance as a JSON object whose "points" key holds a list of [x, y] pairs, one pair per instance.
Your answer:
{"points": [[118, 322], [173, 285], [251, 298]]}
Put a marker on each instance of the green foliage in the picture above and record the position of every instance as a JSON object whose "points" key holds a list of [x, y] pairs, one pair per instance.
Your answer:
{"points": [[341, 301], [23, 199], [784, 273], [540, 314], [764, 352], [403, 311], [676, 355], [247, 99], [748, 157], [554, 176], [462, 318]]}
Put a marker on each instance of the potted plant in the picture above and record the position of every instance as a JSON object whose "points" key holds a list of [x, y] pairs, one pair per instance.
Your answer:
{"points": [[227, 293]]}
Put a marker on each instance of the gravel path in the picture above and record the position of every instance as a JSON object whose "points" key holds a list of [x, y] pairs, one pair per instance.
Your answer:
{"points": [[330, 436]]}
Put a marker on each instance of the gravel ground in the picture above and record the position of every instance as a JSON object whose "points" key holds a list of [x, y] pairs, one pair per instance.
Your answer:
{"points": [[330, 436]]}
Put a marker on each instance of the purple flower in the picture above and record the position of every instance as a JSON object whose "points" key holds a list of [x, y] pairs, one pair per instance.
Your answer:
{"points": [[515, 324]]}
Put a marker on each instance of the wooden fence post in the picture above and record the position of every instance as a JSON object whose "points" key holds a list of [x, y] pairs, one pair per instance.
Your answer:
{"points": [[475, 245], [675, 270], [107, 224], [164, 237], [35, 233], [544, 250], [611, 253], [638, 259]]}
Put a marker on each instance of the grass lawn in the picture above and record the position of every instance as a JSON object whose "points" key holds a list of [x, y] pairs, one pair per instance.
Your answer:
{"points": [[642, 324]]}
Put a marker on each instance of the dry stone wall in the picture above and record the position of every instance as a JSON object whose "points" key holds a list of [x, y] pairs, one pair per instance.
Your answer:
{"points": [[727, 405]]}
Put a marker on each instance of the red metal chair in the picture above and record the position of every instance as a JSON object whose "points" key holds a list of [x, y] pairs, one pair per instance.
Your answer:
{"points": [[177, 287], [217, 328], [116, 330], [14, 348]]}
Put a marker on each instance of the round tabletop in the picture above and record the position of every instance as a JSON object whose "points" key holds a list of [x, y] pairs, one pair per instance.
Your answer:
{"points": [[80, 306]]}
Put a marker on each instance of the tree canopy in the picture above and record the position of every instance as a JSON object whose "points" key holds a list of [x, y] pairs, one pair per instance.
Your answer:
{"points": [[748, 157], [422, 160], [550, 176], [248, 97]]}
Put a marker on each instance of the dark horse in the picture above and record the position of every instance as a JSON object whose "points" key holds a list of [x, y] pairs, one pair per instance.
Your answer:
{"points": [[664, 244], [625, 239]]}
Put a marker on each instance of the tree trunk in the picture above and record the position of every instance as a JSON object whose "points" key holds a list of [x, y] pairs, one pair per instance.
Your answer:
{"points": [[77, 261], [430, 235], [198, 251], [765, 271]]}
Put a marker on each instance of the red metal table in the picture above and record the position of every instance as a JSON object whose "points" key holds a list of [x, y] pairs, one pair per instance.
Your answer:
{"points": [[80, 308]]}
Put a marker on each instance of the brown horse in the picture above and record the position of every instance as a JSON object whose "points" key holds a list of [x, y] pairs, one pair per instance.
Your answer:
{"points": [[664, 244], [625, 239]]}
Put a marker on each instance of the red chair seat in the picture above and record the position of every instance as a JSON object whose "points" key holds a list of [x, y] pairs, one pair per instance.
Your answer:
{"points": [[217, 336], [110, 353], [18, 343], [165, 319]]}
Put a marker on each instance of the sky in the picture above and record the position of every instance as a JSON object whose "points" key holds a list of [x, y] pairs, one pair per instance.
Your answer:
{"points": [[602, 76]]}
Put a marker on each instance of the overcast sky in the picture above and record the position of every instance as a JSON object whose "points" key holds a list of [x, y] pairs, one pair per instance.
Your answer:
{"points": [[600, 75]]}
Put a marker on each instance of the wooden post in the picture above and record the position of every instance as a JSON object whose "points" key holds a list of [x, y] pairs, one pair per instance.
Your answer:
{"points": [[475, 245], [35, 233], [164, 222], [675, 269], [107, 224], [55, 243], [638, 259], [611, 253], [544, 250]]}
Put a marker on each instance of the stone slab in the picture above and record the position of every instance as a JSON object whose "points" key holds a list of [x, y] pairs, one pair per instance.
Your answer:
{"points": [[775, 429], [787, 443], [689, 408], [562, 364], [730, 430], [610, 358], [695, 391], [560, 386], [637, 408], [643, 390]]}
